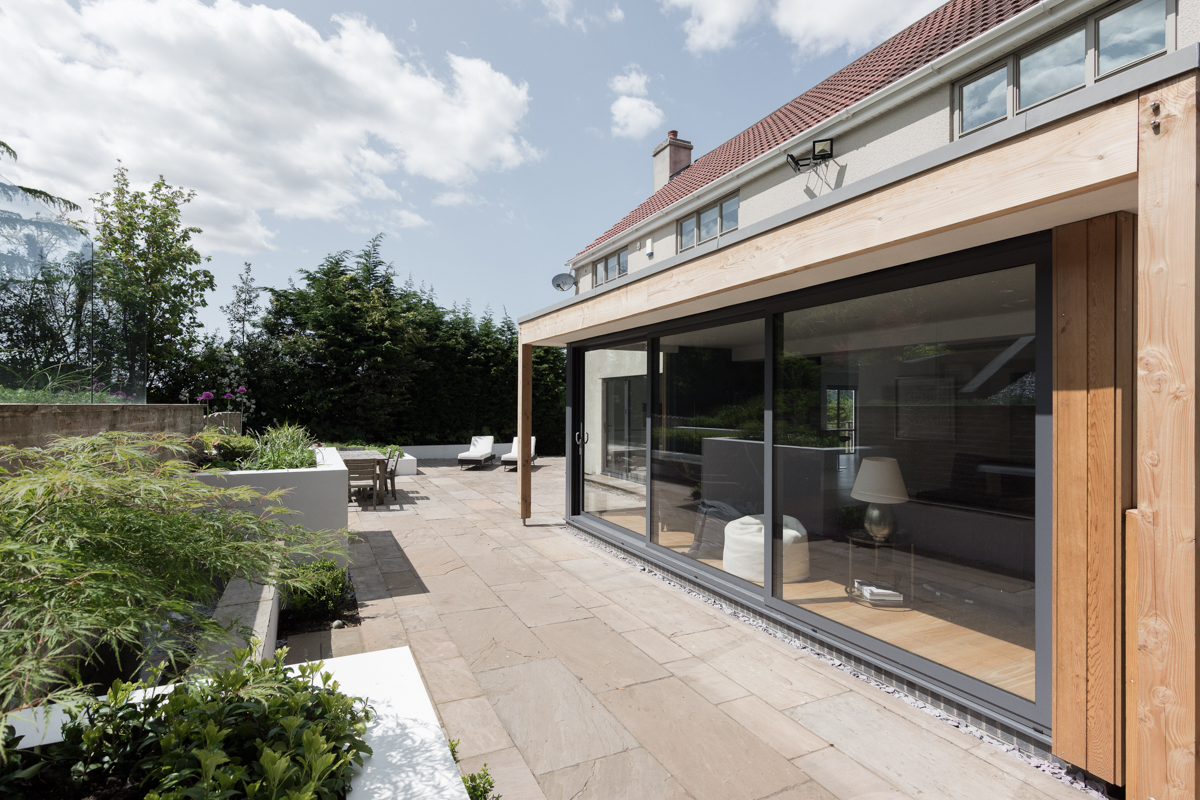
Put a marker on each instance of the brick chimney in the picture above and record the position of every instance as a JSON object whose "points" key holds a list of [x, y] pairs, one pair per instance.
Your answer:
{"points": [[670, 156]]}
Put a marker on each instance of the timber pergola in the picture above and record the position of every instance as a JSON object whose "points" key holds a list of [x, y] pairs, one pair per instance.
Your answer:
{"points": [[1103, 178]]}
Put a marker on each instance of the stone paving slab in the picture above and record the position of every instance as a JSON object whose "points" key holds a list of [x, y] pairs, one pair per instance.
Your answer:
{"points": [[573, 674]]}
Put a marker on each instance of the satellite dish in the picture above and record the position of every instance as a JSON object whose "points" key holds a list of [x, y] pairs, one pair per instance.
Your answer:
{"points": [[563, 281]]}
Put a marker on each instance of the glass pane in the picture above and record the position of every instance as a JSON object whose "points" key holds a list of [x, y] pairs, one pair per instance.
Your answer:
{"points": [[904, 463], [614, 266], [1132, 33], [985, 99], [598, 273], [707, 447], [1053, 69], [614, 433], [687, 233], [65, 335], [622, 262], [708, 224], [729, 214]]}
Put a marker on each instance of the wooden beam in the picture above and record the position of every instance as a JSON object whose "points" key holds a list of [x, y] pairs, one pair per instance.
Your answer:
{"points": [[525, 429], [1166, 440], [1069, 712], [1090, 151]]}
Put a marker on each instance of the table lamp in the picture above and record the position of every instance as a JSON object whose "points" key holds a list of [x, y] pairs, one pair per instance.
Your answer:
{"points": [[879, 483]]}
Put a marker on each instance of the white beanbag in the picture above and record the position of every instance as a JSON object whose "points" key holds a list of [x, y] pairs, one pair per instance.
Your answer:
{"points": [[744, 549]]}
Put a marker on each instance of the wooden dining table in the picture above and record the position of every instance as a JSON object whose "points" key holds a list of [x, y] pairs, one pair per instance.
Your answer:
{"points": [[368, 457]]}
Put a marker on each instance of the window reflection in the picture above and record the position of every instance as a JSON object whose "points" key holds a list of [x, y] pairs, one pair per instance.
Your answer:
{"points": [[1134, 32], [904, 470], [614, 435], [707, 447], [1053, 69], [985, 99]]}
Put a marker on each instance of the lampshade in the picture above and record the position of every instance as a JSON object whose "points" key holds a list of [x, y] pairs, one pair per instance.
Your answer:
{"points": [[879, 481]]}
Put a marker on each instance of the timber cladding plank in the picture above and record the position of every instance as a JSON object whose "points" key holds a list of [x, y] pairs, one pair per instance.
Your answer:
{"points": [[1070, 492], [1165, 679], [1093, 347], [1101, 499], [1087, 152]]}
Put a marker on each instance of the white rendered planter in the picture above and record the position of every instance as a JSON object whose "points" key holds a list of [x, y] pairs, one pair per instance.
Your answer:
{"points": [[407, 465], [317, 496]]}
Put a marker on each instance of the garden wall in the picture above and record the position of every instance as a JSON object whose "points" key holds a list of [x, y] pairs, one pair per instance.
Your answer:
{"points": [[32, 425]]}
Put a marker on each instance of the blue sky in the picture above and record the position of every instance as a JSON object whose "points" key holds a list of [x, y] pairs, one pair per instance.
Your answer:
{"points": [[489, 141]]}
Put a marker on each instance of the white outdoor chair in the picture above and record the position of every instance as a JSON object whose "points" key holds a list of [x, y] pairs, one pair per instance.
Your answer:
{"points": [[480, 452], [509, 459]]}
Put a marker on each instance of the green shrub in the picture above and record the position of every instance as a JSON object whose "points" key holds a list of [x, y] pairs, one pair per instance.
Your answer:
{"points": [[479, 784], [233, 448], [325, 596], [105, 538], [282, 447], [252, 729], [382, 448]]}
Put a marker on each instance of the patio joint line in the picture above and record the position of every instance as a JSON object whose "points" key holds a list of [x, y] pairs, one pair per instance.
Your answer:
{"points": [[1040, 759]]}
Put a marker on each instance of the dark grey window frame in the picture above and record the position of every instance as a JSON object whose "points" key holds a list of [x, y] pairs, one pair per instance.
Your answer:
{"points": [[601, 262], [1031, 718], [695, 218]]}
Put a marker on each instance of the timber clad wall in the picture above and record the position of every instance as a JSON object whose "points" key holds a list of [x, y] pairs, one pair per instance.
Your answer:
{"points": [[1093, 416], [1164, 677]]}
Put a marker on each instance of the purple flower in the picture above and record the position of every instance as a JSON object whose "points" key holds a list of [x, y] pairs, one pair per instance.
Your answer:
{"points": [[119, 394], [228, 396], [241, 390], [205, 396]]}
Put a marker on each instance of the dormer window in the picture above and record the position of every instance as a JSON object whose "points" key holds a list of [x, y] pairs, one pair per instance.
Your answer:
{"points": [[708, 223], [1076, 56]]}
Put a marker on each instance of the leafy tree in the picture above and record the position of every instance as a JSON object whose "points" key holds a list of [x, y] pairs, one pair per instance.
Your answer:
{"points": [[338, 353], [146, 267], [59, 204], [244, 309]]}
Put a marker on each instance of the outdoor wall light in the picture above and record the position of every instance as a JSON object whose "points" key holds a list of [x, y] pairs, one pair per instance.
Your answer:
{"points": [[822, 150]]}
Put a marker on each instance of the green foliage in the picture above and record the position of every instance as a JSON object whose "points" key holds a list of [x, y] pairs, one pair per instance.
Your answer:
{"points": [[251, 729], [229, 447], [282, 447], [378, 446], [325, 599], [480, 784], [147, 266], [105, 538]]}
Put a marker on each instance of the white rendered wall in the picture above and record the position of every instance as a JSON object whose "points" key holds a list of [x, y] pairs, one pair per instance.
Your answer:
{"points": [[1187, 22], [913, 129]]}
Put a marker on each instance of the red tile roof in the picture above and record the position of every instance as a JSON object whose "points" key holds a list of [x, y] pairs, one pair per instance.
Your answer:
{"points": [[950, 26]]}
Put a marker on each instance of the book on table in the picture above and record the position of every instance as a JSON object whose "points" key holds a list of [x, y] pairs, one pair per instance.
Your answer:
{"points": [[878, 592]]}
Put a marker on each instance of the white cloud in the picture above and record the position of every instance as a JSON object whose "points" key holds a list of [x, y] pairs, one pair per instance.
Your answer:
{"points": [[633, 82], [615, 14], [634, 117], [250, 106], [714, 24], [456, 198], [851, 25], [558, 10]]}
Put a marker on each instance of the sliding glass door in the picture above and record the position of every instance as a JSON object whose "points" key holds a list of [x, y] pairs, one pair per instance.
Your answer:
{"points": [[613, 438]]}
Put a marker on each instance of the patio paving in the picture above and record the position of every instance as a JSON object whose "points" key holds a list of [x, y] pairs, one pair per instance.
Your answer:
{"points": [[573, 674]]}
